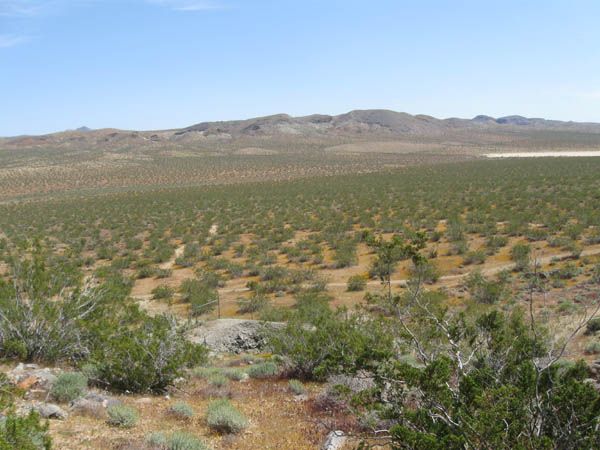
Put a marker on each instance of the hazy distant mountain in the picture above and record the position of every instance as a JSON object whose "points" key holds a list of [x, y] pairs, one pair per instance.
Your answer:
{"points": [[282, 132]]}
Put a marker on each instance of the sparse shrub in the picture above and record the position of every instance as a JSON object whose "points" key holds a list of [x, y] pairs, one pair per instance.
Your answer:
{"points": [[218, 380], [122, 416], [426, 271], [263, 370], [520, 254], [146, 272], [593, 348], [255, 303], [200, 295], [162, 292], [69, 386], [157, 440], [487, 291], [24, 433], [595, 274], [163, 273], [182, 410], [593, 326], [235, 374], [223, 417], [356, 283], [180, 440], [566, 306], [474, 257], [205, 372], [297, 387]]}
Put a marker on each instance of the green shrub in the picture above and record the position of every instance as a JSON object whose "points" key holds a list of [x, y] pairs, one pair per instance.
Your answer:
{"points": [[200, 295], [180, 440], [69, 387], [24, 433], [157, 440], [593, 348], [218, 380], [520, 254], [318, 342], [255, 303], [223, 417], [297, 387], [162, 292], [486, 291], [122, 416], [593, 326], [474, 257], [356, 283], [205, 372], [148, 357], [263, 370], [235, 374], [183, 410]]}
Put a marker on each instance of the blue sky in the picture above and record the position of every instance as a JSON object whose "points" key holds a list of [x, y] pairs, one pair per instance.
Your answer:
{"points": [[149, 64]]}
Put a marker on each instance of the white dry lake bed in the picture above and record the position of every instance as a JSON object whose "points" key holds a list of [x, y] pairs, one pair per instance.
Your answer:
{"points": [[544, 154]]}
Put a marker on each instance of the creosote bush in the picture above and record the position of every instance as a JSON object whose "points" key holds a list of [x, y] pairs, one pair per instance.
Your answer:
{"points": [[356, 283], [223, 417]]}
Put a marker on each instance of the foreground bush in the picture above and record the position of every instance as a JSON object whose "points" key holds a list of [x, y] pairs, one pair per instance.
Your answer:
{"points": [[69, 387], [223, 417], [24, 433], [318, 342], [147, 358]]}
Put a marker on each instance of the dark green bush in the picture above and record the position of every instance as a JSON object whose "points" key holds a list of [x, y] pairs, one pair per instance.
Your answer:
{"points": [[147, 357], [24, 433]]}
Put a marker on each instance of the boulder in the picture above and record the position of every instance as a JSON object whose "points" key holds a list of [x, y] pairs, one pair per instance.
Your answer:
{"points": [[233, 335], [50, 411], [334, 441]]}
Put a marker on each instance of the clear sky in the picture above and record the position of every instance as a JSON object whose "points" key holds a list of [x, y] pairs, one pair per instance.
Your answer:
{"points": [[150, 64]]}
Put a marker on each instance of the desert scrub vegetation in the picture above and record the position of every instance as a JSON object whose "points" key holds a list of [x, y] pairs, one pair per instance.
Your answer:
{"points": [[69, 386], [182, 410], [223, 417], [178, 440], [122, 416], [451, 376]]}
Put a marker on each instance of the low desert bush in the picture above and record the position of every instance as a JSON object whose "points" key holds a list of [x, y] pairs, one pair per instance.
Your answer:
{"points": [[218, 380], [162, 292], [122, 416], [69, 386], [297, 387], [263, 370], [182, 410], [179, 440], [593, 348], [223, 417], [356, 283]]}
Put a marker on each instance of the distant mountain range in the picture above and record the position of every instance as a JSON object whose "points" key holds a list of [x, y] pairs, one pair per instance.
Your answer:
{"points": [[282, 133]]}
